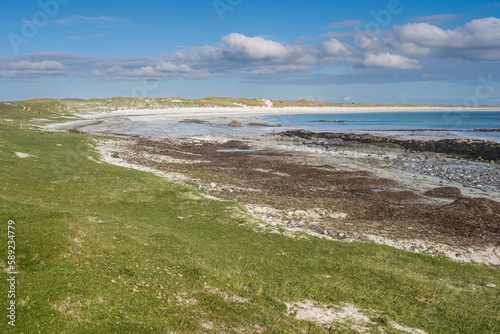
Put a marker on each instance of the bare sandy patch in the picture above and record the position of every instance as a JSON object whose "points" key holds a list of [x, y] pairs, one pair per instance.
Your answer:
{"points": [[346, 314], [73, 307], [224, 295], [23, 155]]}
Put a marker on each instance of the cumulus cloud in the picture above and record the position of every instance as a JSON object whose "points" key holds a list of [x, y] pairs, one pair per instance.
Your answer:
{"points": [[400, 49], [334, 47], [391, 61], [171, 67], [255, 47], [46, 65], [26, 69], [476, 40]]}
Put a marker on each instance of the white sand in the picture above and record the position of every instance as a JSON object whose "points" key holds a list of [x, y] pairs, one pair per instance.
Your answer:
{"points": [[178, 113]]}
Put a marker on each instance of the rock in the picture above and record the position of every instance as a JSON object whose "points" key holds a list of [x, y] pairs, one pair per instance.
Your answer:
{"points": [[444, 192], [192, 121], [235, 124], [213, 185], [491, 285], [325, 232], [341, 235], [115, 156]]}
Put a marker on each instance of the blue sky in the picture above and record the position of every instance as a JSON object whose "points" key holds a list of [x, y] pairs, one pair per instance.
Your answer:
{"points": [[395, 51]]}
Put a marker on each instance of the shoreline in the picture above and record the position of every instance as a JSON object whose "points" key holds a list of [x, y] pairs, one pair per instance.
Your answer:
{"points": [[212, 112], [171, 122]]}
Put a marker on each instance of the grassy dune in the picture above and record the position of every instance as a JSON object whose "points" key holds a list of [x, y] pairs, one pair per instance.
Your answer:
{"points": [[106, 249], [46, 106]]}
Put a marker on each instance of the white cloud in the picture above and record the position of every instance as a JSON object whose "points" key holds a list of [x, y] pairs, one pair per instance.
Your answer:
{"points": [[97, 73], [477, 33], [255, 47], [46, 65], [32, 69], [391, 61], [171, 67], [146, 71], [406, 47], [476, 40], [334, 47]]}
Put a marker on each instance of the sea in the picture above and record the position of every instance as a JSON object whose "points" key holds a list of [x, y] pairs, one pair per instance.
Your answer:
{"points": [[417, 125], [405, 125]]}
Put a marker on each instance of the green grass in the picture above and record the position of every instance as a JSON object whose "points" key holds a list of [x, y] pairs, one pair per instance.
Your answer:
{"points": [[88, 235]]}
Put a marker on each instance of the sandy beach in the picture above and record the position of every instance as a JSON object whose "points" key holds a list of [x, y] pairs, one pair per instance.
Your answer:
{"points": [[167, 122], [208, 113]]}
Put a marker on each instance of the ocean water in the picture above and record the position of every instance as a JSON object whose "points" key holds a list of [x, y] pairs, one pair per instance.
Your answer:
{"points": [[451, 124]]}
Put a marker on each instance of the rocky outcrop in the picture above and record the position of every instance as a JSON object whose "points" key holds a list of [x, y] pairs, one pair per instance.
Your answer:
{"points": [[468, 148], [235, 124]]}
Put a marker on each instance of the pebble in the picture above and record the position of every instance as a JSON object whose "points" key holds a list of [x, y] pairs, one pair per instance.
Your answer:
{"points": [[341, 234], [468, 173]]}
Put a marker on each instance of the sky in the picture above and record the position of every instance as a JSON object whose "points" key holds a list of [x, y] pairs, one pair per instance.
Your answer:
{"points": [[391, 51]]}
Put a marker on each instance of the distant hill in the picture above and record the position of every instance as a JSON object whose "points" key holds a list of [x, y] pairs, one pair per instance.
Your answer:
{"points": [[68, 106]]}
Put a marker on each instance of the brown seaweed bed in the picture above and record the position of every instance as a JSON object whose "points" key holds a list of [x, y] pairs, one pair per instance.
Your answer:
{"points": [[290, 180]]}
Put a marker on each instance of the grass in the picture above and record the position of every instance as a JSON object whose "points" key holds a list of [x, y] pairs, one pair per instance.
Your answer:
{"points": [[111, 250], [43, 107]]}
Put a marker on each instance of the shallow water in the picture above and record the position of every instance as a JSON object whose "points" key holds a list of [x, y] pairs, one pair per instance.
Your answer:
{"points": [[450, 124]]}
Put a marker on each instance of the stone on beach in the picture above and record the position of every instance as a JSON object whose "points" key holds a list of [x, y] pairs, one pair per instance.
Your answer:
{"points": [[235, 124]]}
